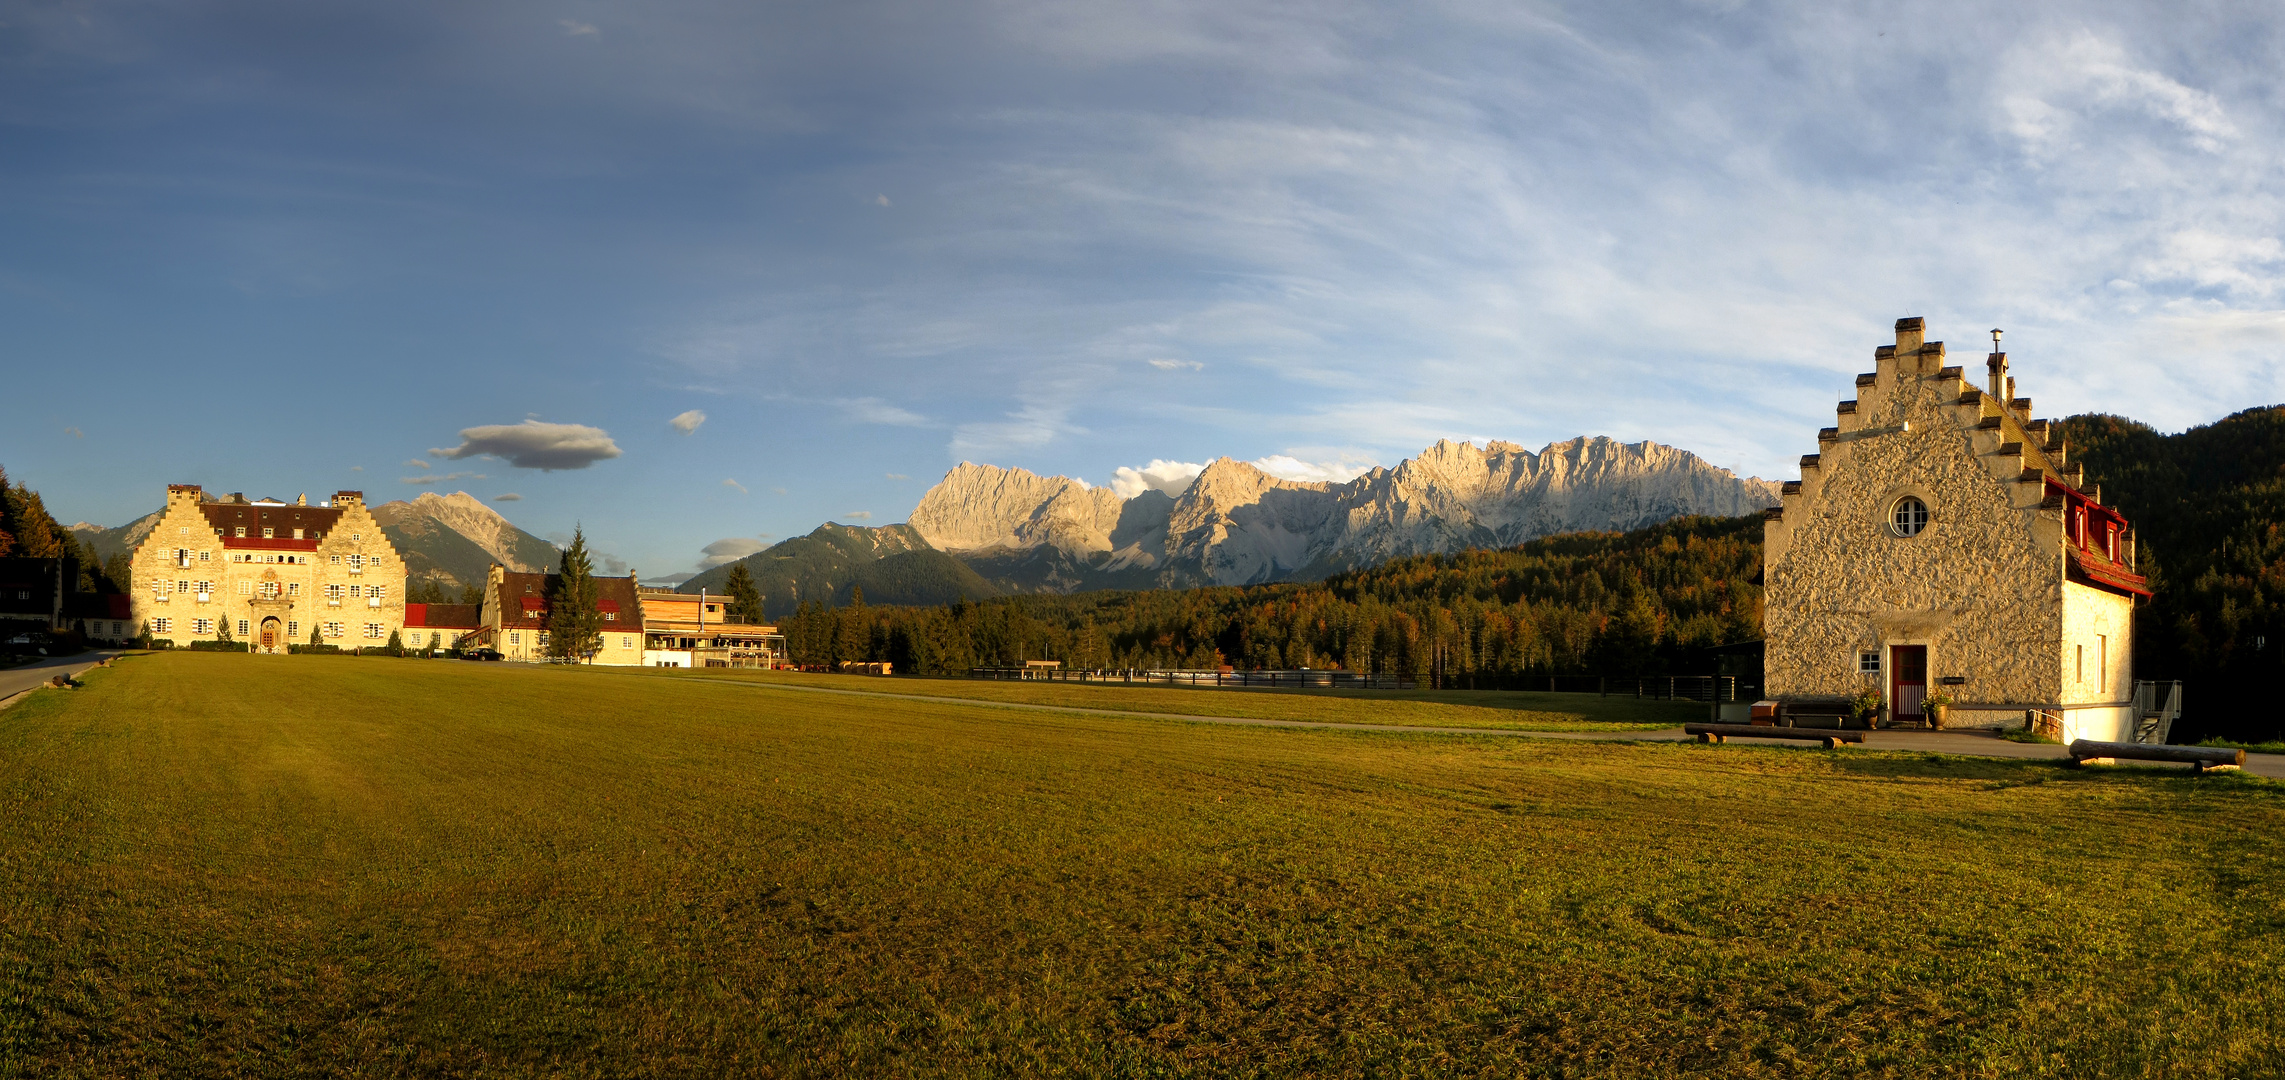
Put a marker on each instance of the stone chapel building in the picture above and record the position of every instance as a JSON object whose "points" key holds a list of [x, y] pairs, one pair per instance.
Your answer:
{"points": [[268, 572], [1939, 540]]}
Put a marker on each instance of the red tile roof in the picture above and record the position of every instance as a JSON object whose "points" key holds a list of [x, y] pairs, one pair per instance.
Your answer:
{"points": [[443, 616]]}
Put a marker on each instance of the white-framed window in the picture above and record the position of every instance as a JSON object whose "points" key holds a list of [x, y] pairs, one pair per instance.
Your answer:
{"points": [[1868, 662], [245, 588], [293, 588], [337, 560], [356, 562], [377, 592], [626, 643], [610, 616], [515, 638], [182, 586], [297, 534], [117, 629], [206, 556], [356, 538], [242, 631], [202, 626], [543, 639], [1908, 517], [269, 590], [162, 625], [161, 591], [333, 592], [241, 532], [333, 629], [293, 629], [373, 630], [269, 534], [356, 591]]}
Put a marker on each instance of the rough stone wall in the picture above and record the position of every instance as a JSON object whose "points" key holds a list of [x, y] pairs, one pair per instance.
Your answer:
{"points": [[302, 602], [1981, 586]]}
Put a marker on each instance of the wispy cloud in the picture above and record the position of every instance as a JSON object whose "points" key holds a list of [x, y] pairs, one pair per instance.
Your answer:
{"points": [[687, 422], [1285, 467], [729, 549], [1177, 365], [898, 476], [574, 28], [858, 515], [729, 483], [507, 496], [876, 411], [441, 478]]}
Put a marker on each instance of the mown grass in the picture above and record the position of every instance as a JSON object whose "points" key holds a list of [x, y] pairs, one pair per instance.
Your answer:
{"points": [[1488, 709], [2271, 747], [227, 865]]}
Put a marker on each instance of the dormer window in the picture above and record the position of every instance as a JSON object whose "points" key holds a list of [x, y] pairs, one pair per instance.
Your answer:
{"points": [[1908, 517], [269, 533], [2110, 542], [241, 532]]}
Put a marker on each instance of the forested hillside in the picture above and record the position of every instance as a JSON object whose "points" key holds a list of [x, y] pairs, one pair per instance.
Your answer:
{"points": [[2209, 507], [1599, 603]]}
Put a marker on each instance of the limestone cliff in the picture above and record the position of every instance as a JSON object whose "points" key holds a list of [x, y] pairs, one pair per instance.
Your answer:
{"points": [[1236, 524]]}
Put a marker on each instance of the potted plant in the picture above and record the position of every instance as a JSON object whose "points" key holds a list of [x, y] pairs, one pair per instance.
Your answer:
{"points": [[1936, 705], [1865, 707]]}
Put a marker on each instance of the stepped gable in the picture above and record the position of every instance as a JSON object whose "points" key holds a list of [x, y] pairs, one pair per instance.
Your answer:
{"points": [[1940, 537]]}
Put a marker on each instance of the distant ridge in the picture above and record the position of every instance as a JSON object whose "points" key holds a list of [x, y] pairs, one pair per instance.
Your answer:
{"points": [[453, 540], [1017, 531]]}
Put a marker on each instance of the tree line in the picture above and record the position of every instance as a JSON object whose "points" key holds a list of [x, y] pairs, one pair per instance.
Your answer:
{"points": [[1646, 602]]}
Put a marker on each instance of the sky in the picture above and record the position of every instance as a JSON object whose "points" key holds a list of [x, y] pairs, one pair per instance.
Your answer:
{"points": [[696, 277]]}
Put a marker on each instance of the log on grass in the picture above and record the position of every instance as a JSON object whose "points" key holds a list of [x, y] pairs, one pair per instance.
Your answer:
{"points": [[2084, 749], [1758, 731]]}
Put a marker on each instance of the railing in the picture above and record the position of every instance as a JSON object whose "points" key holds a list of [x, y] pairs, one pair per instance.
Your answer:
{"points": [[1300, 680]]}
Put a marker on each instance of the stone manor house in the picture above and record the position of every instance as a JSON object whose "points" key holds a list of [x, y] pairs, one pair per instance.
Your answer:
{"points": [[270, 574], [1940, 540], [267, 572]]}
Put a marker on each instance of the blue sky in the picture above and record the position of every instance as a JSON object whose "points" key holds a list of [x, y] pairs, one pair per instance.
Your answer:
{"points": [[282, 247]]}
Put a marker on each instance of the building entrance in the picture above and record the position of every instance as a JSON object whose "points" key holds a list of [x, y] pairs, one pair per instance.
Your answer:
{"points": [[1907, 683], [270, 635]]}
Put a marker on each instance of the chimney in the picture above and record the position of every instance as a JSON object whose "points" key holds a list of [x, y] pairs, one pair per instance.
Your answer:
{"points": [[1910, 333], [302, 499], [1996, 363]]}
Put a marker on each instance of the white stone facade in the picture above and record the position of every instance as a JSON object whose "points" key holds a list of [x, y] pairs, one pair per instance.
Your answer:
{"points": [[2020, 586], [271, 572]]}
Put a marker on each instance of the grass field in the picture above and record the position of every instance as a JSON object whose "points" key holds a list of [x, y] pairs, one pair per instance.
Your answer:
{"points": [[228, 865], [1505, 710]]}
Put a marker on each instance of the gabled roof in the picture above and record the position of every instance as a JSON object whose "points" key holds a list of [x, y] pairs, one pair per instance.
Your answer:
{"points": [[523, 598], [443, 616]]}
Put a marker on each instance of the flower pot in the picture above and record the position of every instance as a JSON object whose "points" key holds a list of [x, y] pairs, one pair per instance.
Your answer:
{"points": [[1936, 715]]}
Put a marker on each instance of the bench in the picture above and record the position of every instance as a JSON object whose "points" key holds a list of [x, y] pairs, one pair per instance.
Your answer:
{"points": [[2089, 752], [1715, 733]]}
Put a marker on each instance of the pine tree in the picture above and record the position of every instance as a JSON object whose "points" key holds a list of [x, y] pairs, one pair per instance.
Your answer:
{"points": [[315, 638], [396, 645], [574, 625], [745, 597]]}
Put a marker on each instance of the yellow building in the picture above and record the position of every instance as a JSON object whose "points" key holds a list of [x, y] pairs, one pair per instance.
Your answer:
{"points": [[1939, 541], [514, 620], [695, 630], [267, 572]]}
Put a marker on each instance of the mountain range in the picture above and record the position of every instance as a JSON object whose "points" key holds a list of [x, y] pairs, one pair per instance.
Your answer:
{"points": [[997, 530], [447, 540]]}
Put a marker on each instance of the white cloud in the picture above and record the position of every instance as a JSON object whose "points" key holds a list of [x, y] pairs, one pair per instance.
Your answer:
{"points": [[687, 422], [2055, 87], [535, 445], [897, 476], [881, 199], [876, 411], [729, 483], [859, 515], [1171, 477], [729, 549], [1177, 365], [573, 28], [1289, 468], [416, 463]]}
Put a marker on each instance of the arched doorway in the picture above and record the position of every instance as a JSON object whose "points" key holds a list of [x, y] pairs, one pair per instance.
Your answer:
{"points": [[272, 634]]}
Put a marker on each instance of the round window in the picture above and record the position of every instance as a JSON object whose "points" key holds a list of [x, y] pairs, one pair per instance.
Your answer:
{"points": [[1909, 517]]}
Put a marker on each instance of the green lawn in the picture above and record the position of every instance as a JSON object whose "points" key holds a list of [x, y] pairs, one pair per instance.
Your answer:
{"points": [[229, 865], [1506, 710]]}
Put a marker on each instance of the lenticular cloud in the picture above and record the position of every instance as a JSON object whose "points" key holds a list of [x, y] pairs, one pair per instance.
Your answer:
{"points": [[535, 445]]}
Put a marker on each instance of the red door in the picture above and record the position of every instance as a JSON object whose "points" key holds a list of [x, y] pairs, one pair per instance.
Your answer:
{"points": [[1907, 682]]}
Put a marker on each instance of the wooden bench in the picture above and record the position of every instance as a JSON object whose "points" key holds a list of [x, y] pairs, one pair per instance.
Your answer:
{"points": [[2089, 752], [1715, 733]]}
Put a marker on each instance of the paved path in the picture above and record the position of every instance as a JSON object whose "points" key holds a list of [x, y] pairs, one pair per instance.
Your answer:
{"points": [[1973, 744], [16, 680]]}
